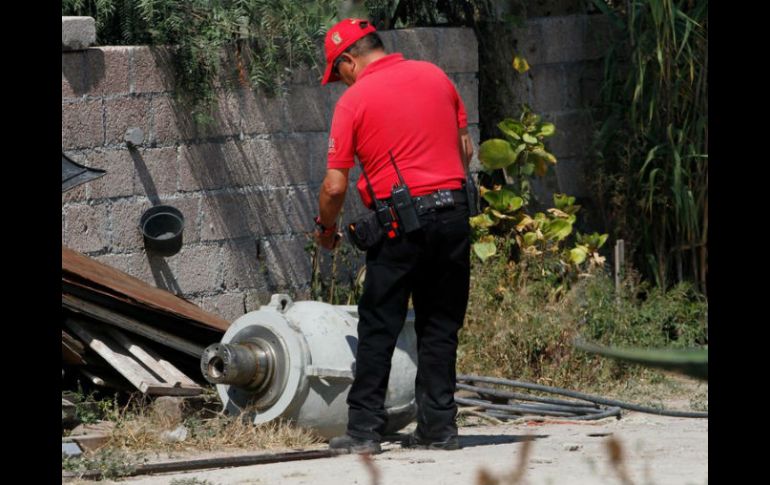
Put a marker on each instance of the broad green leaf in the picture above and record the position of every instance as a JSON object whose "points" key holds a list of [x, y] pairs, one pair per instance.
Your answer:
{"points": [[504, 200], [540, 153], [482, 221], [547, 129], [557, 229], [499, 214], [529, 139], [520, 64], [562, 201], [530, 238], [512, 128], [484, 250], [528, 169], [602, 240], [578, 254], [496, 153]]}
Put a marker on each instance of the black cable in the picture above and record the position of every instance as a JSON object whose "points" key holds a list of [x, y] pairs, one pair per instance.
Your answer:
{"points": [[525, 397], [566, 392]]}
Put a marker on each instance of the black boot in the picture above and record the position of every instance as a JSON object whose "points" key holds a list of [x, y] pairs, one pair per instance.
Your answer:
{"points": [[355, 445], [415, 441]]}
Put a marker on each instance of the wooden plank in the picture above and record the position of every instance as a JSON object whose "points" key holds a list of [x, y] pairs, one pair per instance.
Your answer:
{"points": [[114, 355], [125, 286], [103, 380], [164, 369], [167, 390], [72, 342], [126, 323], [70, 356]]}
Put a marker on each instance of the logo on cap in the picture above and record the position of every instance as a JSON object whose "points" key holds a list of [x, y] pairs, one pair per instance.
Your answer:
{"points": [[336, 38]]}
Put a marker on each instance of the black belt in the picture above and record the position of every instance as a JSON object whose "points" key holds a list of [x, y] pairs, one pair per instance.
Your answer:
{"points": [[440, 199]]}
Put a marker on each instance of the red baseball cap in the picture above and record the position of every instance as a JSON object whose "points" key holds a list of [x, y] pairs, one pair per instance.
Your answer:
{"points": [[339, 38]]}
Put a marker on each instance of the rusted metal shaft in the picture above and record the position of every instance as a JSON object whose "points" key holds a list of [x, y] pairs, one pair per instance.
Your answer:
{"points": [[249, 365]]}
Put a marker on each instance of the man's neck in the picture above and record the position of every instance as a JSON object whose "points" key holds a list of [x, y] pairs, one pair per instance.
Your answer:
{"points": [[371, 57]]}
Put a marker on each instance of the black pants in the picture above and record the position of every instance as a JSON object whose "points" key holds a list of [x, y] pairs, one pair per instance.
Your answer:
{"points": [[432, 265]]}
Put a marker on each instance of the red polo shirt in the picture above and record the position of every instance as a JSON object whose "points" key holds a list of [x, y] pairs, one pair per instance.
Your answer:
{"points": [[409, 107]]}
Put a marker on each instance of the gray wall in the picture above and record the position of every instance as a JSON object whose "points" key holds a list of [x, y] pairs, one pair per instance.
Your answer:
{"points": [[247, 184], [565, 55]]}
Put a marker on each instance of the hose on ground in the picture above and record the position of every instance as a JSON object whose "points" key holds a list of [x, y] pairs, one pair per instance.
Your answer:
{"points": [[588, 409]]}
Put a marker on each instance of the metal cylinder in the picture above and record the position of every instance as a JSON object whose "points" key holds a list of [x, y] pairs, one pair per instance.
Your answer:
{"points": [[247, 364], [296, 360]]}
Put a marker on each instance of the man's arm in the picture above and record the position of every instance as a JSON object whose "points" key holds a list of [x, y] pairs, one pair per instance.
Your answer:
{"points": [[330, 202]]}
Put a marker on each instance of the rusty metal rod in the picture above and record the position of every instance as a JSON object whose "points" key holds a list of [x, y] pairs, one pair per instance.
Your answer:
{"points": [[222, 462]]}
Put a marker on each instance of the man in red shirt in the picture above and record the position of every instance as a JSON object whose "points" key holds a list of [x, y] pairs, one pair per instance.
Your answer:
{"points": [[410, 111]]}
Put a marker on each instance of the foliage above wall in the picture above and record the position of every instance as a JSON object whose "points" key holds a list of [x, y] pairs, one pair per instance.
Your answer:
{"points": [[271, 38]]}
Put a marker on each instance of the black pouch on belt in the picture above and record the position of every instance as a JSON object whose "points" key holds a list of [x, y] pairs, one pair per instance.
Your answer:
{"points": [[366, 232]]}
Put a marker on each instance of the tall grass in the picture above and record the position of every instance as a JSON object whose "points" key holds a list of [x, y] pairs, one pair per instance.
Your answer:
{"points": [[652, 142]]}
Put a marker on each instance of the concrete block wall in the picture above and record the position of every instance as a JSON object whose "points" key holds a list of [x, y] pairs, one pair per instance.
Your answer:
{"points": [[565, 55], [247, 184]]}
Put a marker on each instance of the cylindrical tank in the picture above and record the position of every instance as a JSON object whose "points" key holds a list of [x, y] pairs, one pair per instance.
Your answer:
{"points": [[295, 360]]}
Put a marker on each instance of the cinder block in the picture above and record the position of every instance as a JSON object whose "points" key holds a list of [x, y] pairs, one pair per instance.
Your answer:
{"points": [[468, 88], [548, 88], [119, 179], [309, 108], [170, 122], [256, 298], [197, 268], [152, 70], [259, 113], [77, 32], [419, 44], [458, 50], [573, 135], [571, 175], [227, 216], [82, 124], [229, 306], [106, 70], [529, 42], [287, 260], [244, 265], [124, 113], [87, 229], [133, 264], [73, 79], [124, 217], [206, 166], [156, 171]]}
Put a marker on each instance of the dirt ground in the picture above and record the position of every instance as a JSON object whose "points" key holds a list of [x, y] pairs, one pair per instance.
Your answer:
{"points": [[657, 450]]}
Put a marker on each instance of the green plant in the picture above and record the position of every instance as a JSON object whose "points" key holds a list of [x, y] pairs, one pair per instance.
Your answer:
{"points": [[521, 325], [651, 145], [336, 282], [505, 222]]}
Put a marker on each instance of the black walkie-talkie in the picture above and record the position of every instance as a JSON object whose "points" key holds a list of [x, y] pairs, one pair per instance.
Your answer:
{"points": [[403, 202]]}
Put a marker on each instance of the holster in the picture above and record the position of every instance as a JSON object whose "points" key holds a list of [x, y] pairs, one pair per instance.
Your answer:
{"points": [[366, 232]]}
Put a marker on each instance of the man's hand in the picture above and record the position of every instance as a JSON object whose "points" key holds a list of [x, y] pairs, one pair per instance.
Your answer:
{"points": [[329, 240]]}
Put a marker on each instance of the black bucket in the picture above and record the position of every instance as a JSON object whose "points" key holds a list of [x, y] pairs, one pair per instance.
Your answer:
{"points": [[162, 228]]}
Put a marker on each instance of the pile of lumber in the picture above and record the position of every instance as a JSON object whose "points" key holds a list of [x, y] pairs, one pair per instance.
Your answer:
{"points": [[120, 332]]}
